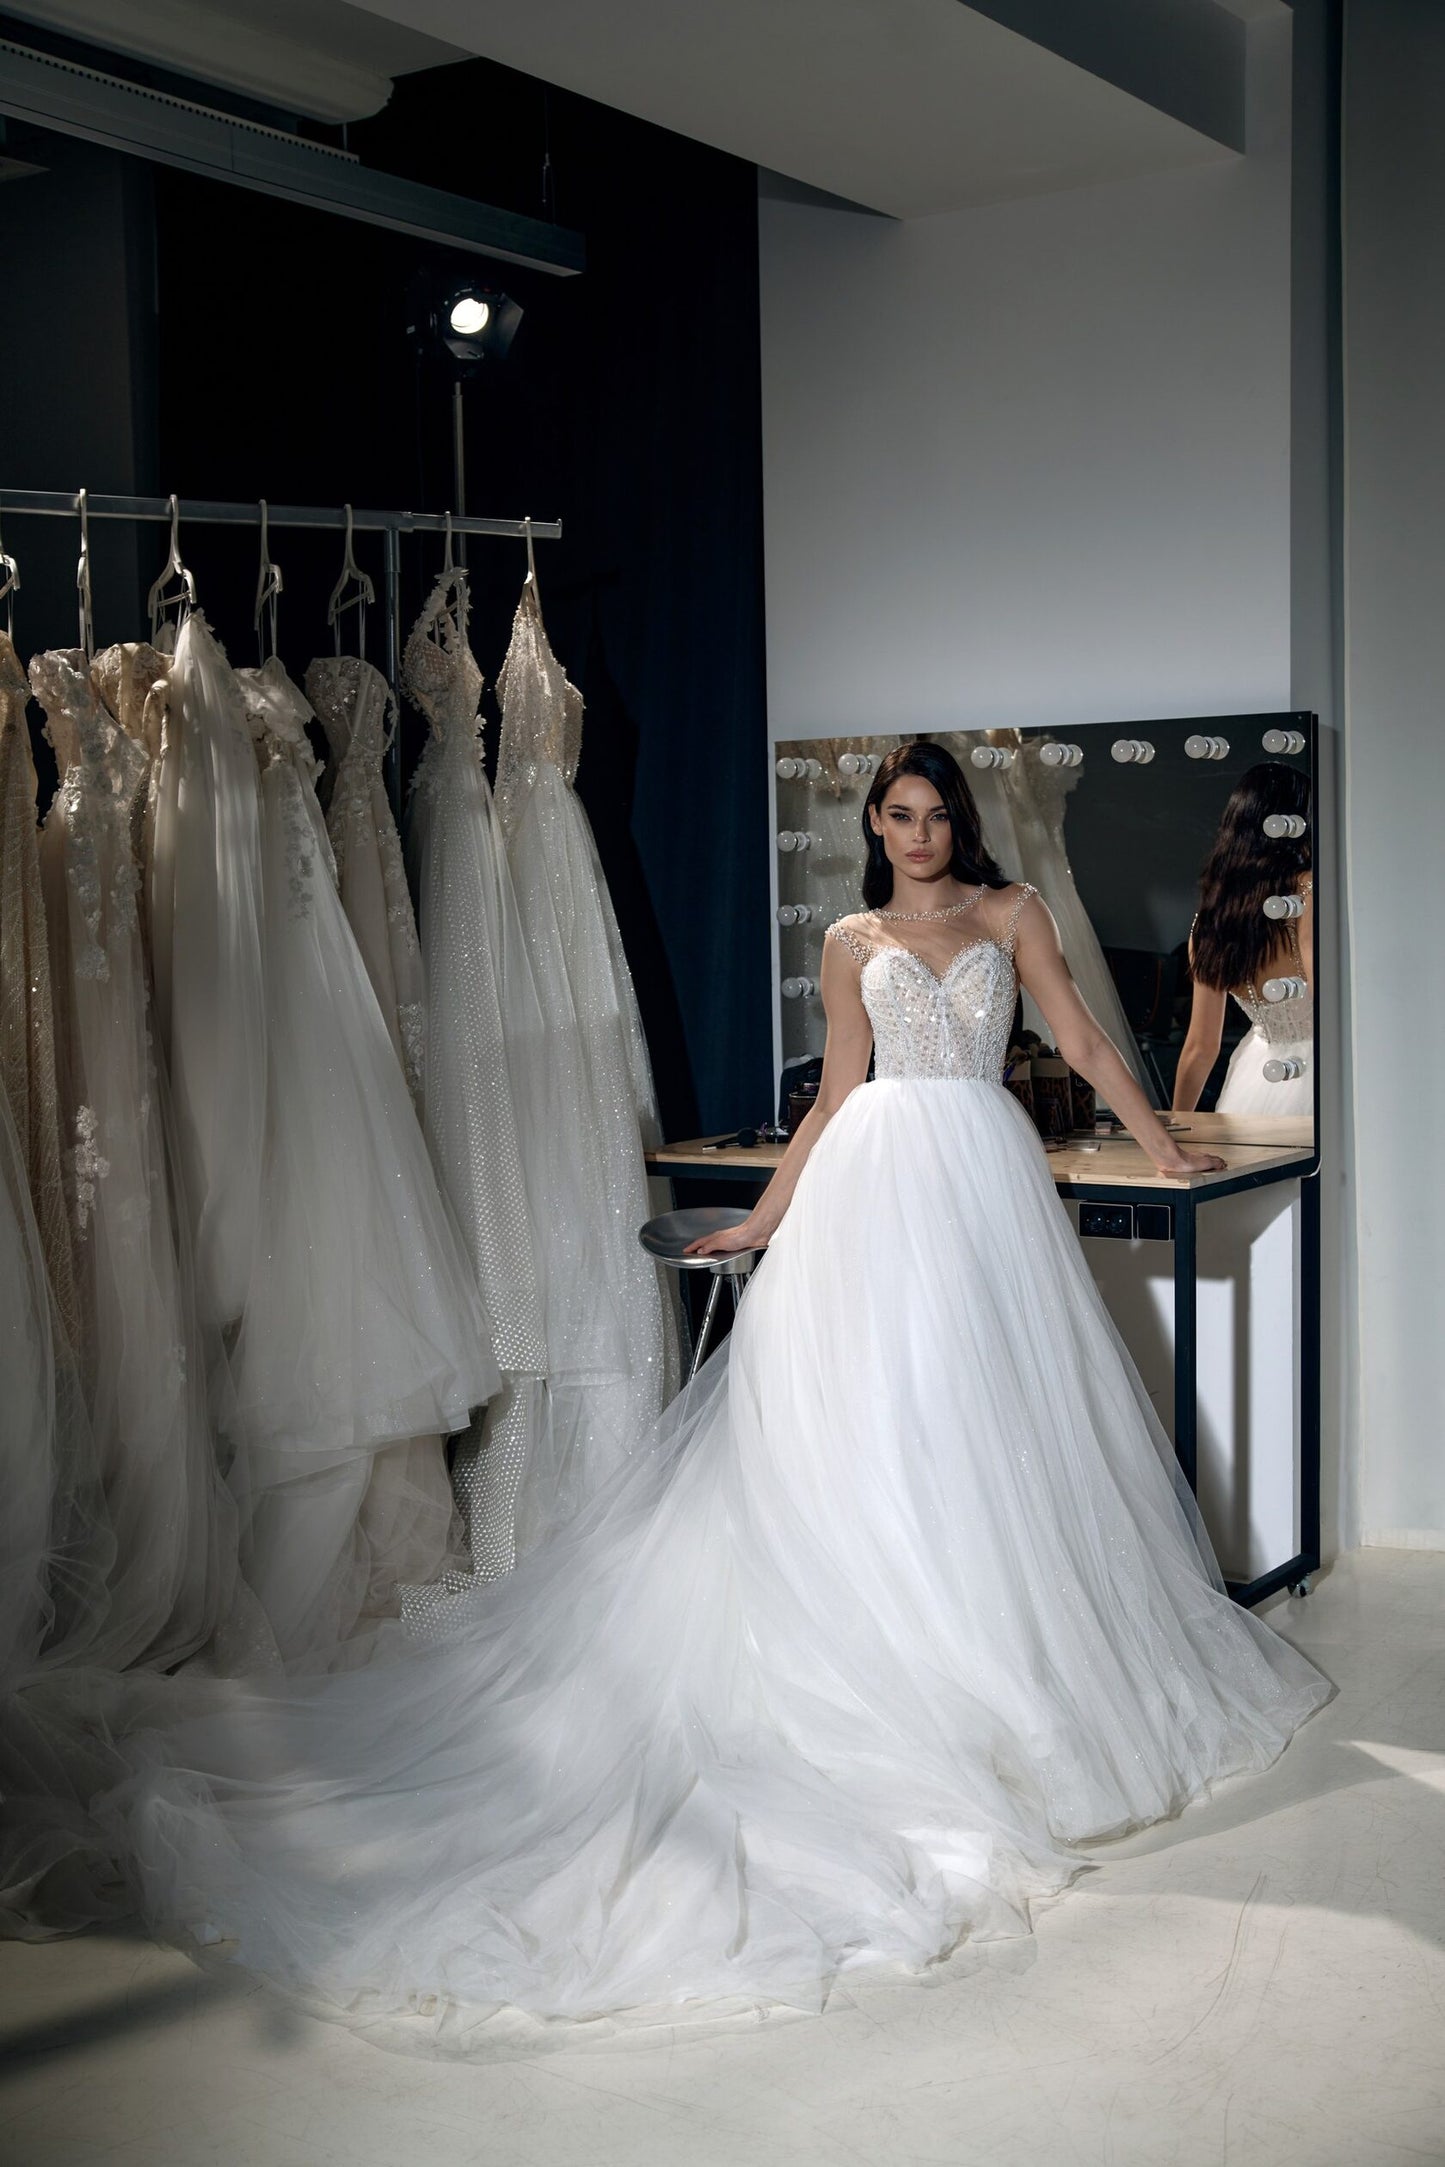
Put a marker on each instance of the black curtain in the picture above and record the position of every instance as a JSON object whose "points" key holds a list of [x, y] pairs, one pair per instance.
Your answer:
{"points": [[629, 408]]}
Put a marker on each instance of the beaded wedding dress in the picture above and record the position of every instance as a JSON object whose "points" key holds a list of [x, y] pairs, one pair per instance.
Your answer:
{"points": [[896, 1606], [1279, 1031], [362, 1336]]}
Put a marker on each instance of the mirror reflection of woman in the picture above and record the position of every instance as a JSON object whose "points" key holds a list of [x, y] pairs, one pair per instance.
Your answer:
{"points": [[1237, 949]]}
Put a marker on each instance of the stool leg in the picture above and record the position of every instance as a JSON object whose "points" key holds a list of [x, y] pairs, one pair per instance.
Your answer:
{"points": [[707, 1316]]}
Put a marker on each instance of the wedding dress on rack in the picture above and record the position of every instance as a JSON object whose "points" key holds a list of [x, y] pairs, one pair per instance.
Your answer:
{"points": [[897, 1605], [205, 925], [27, 1029], [363, 1337], [505, 1113], [356, 708], [142, 1359], [592, 1021]]}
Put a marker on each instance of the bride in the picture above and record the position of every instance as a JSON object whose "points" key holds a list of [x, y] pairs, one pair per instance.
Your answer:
{"points": [[894, 1609]]}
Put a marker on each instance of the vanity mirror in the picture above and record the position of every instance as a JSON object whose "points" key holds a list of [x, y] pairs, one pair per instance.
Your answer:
{"points": [[1117, 825]]}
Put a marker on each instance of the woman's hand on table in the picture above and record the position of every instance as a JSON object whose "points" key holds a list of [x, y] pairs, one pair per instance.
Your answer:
{"points": [[1182, 1160]]}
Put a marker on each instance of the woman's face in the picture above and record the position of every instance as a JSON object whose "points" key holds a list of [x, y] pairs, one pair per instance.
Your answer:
{"points": [[916, 830]]}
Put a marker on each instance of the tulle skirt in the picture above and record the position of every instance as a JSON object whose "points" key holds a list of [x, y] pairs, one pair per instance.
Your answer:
{"points": [[1247, 1090], [899, 1604]]}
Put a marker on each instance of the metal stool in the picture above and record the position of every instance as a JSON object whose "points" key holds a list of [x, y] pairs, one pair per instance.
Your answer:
{"points": [[667, 1236]]}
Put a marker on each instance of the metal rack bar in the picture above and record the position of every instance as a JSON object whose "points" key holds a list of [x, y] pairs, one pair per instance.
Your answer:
{"points": [[208, 511]]}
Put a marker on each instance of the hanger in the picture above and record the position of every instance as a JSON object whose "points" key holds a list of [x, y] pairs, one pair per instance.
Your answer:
{"points": [[531, 559], [351, 573], [269, 584], [182, 600], [82, 576], [452, 592], [9, 589]]}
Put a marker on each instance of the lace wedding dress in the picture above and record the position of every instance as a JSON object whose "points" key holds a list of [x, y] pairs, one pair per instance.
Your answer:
{"points": [[895, 1607], [363, 1337], [355, 707], [1279, 1030], [172, 1580]]}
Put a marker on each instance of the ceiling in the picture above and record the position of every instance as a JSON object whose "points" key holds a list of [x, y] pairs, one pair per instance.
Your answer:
{"points": [[906, 107]]}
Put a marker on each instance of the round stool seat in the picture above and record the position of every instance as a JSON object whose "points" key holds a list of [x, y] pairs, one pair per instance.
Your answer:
{"points": [[667, 1236]]}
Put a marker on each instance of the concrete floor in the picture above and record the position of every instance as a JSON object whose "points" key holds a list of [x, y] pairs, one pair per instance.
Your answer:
{"points": [[1262, 1980]]}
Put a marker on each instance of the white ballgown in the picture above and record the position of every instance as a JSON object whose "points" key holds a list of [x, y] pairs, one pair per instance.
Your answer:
{"points": [[141, 1351], [362, 1328], [894, 1607]]}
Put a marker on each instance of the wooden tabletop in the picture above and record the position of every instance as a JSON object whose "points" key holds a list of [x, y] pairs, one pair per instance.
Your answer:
{"points": [[1115, 1160]]}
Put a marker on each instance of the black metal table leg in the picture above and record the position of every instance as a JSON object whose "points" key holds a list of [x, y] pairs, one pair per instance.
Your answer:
{"points": [[1186, 1339]]}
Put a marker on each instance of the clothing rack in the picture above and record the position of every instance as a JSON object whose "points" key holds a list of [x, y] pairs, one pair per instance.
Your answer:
{"points": [[207, 511]]}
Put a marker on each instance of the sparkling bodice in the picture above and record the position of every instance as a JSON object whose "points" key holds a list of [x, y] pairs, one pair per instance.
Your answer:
{"points": [[931, 1025], [439, 671], [133, 681], [355, 708], [1279, 1023], [541, 711]]}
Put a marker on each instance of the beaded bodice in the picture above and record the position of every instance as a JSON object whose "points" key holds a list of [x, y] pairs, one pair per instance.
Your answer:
{"points": [[439, 671], [541, 711], [1283, 1023], [930, 1024], [355, 708], [132, 679]]}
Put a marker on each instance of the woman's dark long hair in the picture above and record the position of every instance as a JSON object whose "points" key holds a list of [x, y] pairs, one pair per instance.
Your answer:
{"points": [[1233, 940], [970, 863]]}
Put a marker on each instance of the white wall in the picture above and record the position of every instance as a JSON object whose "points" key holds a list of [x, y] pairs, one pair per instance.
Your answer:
{"points": [[1031, 462], [1394, 186]]}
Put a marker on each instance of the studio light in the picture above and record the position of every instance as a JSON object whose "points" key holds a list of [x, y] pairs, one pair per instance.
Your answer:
{"points": [[469, 314], [458, 320]]}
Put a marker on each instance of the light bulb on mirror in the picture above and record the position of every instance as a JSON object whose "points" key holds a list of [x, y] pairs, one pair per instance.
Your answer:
{"points": [[1278, 826], [1284, 741], [856, 763], [992, 756], [794, 913], [1206, 748], [1284, 1070], [797, 989], [1056, 755], [1285, 989], [1284, 906], [789, 770], [1132, 751], [793, 839]]}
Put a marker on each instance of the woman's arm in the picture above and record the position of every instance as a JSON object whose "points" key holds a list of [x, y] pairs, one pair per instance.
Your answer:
{"points": [[1043, 971], [1201, 1046], [845, 1066]]}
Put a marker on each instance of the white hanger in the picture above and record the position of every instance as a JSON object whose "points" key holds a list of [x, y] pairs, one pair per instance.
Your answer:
{"points": [[82, 576], [183, 600], [9, 589], [351, 573], [269, 585]]}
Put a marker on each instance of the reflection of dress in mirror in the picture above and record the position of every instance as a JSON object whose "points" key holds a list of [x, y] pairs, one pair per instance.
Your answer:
{"points": [[1022, 811], [1243, 947]]}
